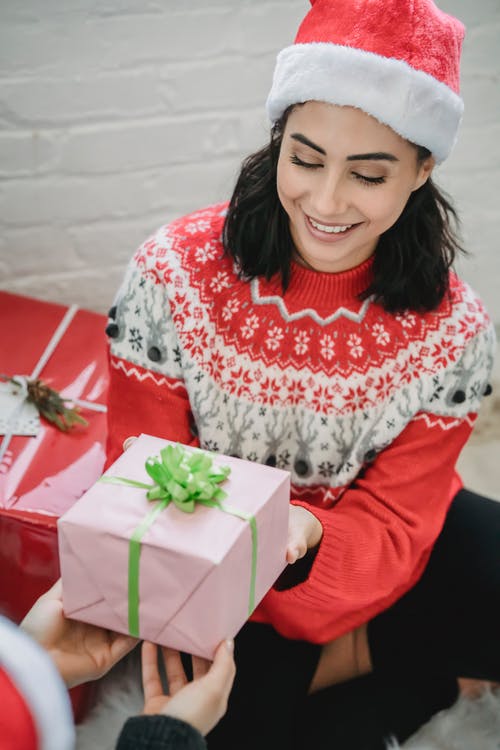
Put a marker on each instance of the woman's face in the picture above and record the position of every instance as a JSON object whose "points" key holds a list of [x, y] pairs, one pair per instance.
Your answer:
{"points": [[343, 179]]}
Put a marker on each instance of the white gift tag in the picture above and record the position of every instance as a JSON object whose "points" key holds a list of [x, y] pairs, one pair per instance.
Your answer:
{"points": [[17, 416]]}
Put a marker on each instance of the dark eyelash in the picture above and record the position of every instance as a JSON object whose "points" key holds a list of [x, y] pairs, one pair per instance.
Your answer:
{"points": [[369, 180], [362, 178], [299, 163]]}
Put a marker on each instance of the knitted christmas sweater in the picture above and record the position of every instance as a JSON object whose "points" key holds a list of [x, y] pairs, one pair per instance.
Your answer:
{"points": [[368, 410]]}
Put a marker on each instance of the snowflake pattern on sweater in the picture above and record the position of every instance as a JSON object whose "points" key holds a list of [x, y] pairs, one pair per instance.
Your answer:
{"points": [[314, 381]]}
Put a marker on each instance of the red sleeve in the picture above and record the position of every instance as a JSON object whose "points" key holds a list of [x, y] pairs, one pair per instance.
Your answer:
{"points": [[377, 539], [144, 401]]}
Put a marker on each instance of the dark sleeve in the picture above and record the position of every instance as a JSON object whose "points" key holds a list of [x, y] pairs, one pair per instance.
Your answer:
{"points": [[159, 733]]}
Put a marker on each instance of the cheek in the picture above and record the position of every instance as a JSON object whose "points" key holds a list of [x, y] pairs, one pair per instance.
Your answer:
{"points": [[283, 179], [386, 206], [291, 184], [283, 198]]}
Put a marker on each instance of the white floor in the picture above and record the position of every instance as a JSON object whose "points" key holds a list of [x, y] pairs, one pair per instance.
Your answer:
{"points": [[468, 725]]}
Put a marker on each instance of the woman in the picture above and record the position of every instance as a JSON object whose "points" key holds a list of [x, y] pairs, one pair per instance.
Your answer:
{"points": [[314, 323]]}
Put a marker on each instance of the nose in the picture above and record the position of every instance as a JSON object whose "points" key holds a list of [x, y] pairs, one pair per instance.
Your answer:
{"points": [[330, 198]]}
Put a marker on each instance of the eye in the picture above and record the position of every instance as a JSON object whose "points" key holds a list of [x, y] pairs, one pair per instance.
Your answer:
{"points": [[369, 180], [299, 163]]}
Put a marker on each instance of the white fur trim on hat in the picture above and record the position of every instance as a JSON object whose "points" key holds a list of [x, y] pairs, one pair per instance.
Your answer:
{"points": [[413, 103], [34, 674]]}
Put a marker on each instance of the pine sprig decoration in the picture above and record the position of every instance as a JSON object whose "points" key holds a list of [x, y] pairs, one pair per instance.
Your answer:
{"points": [[50, 405]]}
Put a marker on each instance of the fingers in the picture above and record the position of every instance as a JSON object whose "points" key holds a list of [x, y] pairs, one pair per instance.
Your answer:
{"points": [[297, 536], [200, 666], [151, 680], [128, 442], [121, 645], [222, 672], [304, 531], [296, 543], [295, 551], [218, 676], [176, 676], [55, 591]]}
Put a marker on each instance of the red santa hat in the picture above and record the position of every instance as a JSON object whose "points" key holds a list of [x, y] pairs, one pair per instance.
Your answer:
{"points": [[397, 60], [35, 710]]}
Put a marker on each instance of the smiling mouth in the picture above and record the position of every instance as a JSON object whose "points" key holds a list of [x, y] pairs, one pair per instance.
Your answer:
{"points": [[329, 228]]}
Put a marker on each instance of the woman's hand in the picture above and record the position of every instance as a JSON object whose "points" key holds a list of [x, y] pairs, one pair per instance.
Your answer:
{"points": [[81, 652], [304, 532], [201, 702]]}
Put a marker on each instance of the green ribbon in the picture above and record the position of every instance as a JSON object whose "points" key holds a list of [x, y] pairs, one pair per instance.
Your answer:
{"points": [[184, 478]]}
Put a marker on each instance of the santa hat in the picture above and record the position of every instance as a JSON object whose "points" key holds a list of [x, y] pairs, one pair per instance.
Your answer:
{"points": [[35, 710], [397, 60]]}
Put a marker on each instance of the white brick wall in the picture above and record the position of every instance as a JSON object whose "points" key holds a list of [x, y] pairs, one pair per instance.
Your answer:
{"points": [[118, 115]]}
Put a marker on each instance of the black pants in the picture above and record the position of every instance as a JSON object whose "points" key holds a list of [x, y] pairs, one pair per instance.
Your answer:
{"points": [[446, 627]]}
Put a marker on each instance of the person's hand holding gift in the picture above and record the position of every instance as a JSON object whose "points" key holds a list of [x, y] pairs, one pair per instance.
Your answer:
{"points": [[304, 533], [201, 702], [81, 652]]}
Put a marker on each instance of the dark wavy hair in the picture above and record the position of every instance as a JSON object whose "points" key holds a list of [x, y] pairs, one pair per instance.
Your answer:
{"points": [[411, 261]]}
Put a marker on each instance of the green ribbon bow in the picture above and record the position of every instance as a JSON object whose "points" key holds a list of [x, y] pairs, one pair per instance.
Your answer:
{"points": [[184, 477]]}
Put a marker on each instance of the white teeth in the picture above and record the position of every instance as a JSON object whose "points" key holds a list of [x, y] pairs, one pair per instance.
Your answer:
{"points": [[328, 229]]}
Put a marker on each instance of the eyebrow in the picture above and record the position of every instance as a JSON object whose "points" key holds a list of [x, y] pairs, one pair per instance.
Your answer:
{"points": [[302, 139], [374, 156], [371, 156]]}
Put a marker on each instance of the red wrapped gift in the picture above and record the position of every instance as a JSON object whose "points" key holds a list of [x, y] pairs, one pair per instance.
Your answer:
{"points": [[42, 476]]}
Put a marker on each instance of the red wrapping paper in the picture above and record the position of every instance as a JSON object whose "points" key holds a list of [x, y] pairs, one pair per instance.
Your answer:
{"points": [[41, 477]]}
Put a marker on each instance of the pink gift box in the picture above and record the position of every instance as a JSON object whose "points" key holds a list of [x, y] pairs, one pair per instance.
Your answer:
{"points": [[195, 568]]}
